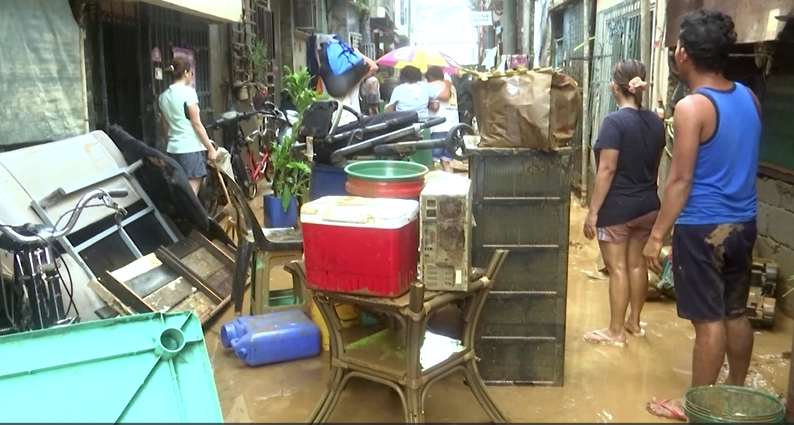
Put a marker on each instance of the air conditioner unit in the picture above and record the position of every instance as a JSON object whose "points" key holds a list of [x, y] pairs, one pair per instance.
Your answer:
{"points": [[445, 227], [304, 15], [354, 39]]}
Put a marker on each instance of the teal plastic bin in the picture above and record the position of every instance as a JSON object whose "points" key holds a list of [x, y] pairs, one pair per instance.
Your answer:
{"points": [[144, 368]]}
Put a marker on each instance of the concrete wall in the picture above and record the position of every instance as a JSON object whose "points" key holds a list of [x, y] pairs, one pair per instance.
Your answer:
{"points": [[344, 18], [225, 10], [776, 233]]}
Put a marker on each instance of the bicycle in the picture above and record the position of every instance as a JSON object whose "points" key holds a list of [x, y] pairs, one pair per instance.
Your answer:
{"points": [[247, 170], [34, 299]]}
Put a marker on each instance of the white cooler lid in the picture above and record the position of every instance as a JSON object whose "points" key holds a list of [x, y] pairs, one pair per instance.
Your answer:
{"points": [[354, 211]]}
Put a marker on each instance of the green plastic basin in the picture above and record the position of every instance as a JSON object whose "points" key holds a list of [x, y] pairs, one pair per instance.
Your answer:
{"points": [[147, 368], [729, 404], [386, 170]]}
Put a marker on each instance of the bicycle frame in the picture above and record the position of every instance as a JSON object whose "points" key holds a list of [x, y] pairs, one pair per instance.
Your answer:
{"points": [[32, 266], [37, 281], [257, 168]]}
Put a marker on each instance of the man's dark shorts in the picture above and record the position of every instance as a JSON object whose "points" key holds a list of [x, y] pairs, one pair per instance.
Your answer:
{"points": [[712, 267], [194, 163]]}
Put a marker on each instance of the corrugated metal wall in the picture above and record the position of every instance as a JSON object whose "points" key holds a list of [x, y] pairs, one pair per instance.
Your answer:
{"points": [[616, 38], [569, 53], [41, 72]]}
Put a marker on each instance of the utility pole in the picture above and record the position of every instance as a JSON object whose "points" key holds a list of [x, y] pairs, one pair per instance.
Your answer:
{"points": [[645, 42], [528, 26], [509, 27]]}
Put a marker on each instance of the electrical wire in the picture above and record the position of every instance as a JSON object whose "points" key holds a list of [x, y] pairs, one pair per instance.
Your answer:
{"points": [[69, 289]]}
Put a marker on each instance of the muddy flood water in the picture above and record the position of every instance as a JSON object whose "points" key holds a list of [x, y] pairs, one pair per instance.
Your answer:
{"points": [[602, 384]]}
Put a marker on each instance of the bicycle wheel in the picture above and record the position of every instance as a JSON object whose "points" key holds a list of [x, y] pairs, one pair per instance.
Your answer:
{"points": [[252, 187], [211, 195]]}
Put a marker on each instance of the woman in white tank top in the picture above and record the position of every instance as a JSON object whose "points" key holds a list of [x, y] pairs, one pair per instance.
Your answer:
{"points": [[446, 108]]}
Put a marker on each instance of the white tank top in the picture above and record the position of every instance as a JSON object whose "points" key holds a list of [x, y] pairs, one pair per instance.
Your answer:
{"points": [[448, 109]]}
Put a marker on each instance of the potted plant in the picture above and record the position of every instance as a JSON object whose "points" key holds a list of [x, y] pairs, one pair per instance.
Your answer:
{"points": [[291, 169]]}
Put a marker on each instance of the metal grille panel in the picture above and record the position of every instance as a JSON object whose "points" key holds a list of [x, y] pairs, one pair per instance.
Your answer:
{"points": [[616, 38], [522, 203]]}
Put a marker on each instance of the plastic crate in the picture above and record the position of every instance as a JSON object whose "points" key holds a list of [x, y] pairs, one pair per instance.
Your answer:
{"points": [[132, 369]]}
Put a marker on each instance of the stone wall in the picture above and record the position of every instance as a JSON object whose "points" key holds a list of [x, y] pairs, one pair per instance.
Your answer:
{"points": [[776, 233]]}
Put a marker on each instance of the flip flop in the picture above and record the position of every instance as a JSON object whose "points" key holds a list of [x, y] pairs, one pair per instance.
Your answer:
{"points": [[639, 334], [665, 409], [599, 338]]}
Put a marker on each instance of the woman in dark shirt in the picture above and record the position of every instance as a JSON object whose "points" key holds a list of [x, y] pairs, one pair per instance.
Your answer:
{"points": [[625, 201]]}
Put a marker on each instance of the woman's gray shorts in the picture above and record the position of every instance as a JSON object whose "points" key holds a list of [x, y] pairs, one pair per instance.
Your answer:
{"points": [[194, 163]]}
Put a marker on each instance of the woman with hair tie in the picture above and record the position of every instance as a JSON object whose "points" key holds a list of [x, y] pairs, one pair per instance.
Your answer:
{"points": [[181, 124], [625, 201]]}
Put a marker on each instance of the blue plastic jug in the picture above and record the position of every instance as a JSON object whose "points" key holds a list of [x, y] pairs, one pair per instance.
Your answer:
{"points": [[283, 336], [239, 327]]}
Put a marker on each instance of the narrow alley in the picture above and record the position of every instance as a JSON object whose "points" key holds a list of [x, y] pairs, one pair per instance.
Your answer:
{"points": [[602, 384]]}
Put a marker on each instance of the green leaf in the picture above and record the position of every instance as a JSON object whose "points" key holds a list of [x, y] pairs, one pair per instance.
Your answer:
{"points": [[286, 197]]}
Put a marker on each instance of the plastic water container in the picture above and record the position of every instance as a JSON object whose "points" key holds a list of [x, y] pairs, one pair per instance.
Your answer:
{"points": [[241, 326], [326, 180], [282, 336]]}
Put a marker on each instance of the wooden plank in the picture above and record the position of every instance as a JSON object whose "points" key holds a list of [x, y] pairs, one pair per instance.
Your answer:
{"points": [[184, 247], [171, 261], [170, 295], [136, 268], [202, 263], [226, 258], [109, 298], [221, 282], [125, 295], [150, 281], [197, 303]]}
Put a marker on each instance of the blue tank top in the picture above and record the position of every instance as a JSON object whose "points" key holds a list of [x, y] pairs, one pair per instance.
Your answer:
{"points": [[723, 186]]}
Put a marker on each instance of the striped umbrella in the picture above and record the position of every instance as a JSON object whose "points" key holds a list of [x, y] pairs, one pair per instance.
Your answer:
{"points": [[420, 57]]}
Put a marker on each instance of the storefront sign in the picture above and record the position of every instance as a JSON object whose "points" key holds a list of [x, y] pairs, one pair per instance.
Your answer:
{"points": [[191, 57], [157, 56], [482, 19]]}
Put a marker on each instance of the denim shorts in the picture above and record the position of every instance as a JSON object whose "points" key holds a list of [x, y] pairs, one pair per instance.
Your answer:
{"points": [[194, 163], [441, 153]]}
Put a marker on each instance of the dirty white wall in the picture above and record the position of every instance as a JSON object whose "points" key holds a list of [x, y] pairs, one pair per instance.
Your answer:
{"points": [[776, 233], [223, 10], [42, 72]]}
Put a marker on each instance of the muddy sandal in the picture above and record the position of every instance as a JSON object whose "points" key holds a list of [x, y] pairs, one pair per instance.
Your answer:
{"points": [[600, 338], [667, 409], [639, 334]]}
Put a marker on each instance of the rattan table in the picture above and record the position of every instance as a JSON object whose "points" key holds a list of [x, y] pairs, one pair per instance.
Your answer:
{"points": [[376, 360]]}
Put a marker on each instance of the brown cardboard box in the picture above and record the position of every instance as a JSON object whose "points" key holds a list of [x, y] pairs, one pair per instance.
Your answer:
{"points": [[526, 109]]}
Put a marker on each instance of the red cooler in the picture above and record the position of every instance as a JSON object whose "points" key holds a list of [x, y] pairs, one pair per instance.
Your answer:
{"points": [[366, 246]]}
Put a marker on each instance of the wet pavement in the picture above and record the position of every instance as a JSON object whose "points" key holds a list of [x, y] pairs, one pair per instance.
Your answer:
{"points": [[602, 384]]}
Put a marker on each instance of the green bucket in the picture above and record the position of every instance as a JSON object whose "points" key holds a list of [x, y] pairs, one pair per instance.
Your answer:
{"points": [[391, 171], [728, 404]]}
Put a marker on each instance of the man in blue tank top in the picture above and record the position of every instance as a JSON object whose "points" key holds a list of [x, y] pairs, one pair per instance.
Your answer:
{"points": [[710, 198]]}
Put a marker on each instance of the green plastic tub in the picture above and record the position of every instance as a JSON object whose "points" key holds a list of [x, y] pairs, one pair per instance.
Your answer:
{"points": [[729, 404], [386, 170], [144, 368]]}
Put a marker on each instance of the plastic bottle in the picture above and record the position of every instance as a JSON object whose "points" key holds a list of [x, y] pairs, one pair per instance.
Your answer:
{"points": [[239, 327], [283, 337]]}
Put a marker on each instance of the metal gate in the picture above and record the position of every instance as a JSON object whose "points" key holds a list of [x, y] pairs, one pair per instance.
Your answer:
{"points": [[130, 44], [569, 54], [112, 34], [265, 31], [164, 30], [617, 37]]}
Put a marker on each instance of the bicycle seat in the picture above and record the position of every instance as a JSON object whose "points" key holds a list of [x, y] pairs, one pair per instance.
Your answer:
{"points": [[230, 118]]}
